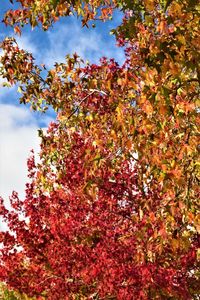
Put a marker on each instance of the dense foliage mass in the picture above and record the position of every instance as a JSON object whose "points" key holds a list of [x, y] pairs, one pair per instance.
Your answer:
{"points": [[111, 210]]}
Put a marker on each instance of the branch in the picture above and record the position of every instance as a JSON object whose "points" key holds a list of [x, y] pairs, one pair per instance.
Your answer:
{"points": [[92, 91], [50, 277], [39, 77], [97, 91]]}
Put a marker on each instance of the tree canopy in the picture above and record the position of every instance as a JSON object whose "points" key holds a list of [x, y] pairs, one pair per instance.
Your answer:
{"points": [[111, 209]]}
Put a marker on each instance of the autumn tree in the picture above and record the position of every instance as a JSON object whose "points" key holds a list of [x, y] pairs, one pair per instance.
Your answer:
{"points": [[111, 209]]}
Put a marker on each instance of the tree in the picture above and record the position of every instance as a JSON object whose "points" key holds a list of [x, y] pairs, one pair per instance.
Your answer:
{"points": [[111, 210]]}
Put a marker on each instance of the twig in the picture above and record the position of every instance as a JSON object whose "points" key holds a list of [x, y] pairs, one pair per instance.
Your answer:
{"points": [[50, 277], [98, 91], [91, 93]]}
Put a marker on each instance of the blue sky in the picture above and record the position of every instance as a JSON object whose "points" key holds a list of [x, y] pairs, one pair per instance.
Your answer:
{"points": [[18, 125]]}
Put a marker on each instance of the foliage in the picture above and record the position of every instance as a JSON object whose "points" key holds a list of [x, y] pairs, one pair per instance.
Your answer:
{"points": [[7, 294], [111, 211]]}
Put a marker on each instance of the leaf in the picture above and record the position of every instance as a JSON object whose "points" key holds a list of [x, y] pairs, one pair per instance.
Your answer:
{"points": [[20, 89], [110, 206], [17, 30]]}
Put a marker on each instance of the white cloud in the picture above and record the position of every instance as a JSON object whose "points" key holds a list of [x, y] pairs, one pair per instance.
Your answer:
{"points": [[25, 42], [71, 38], [18, 135]]}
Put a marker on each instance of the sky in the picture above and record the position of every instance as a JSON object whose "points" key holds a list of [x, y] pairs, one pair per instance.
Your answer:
{"points": [[18, 125]]}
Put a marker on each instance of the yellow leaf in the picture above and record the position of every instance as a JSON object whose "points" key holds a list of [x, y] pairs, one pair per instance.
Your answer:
{"points": [[89, 118], [175, 244]]}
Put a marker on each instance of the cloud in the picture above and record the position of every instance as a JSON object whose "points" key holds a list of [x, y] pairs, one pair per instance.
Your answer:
{"points": [[18, 135], [27, 43], [89, 44]]}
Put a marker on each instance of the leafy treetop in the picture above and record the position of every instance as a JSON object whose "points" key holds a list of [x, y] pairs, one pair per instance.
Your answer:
{"points": [[112, 207]]}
